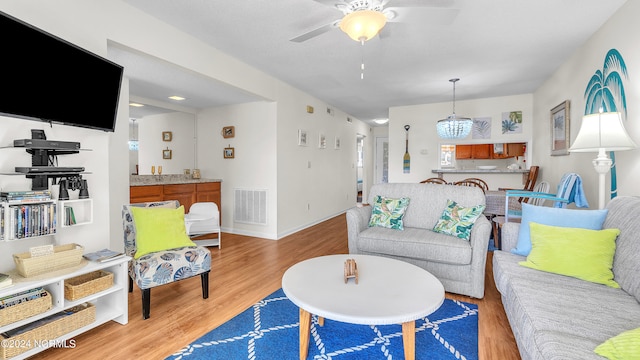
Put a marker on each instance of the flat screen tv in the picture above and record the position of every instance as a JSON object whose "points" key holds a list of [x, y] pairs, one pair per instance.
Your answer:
{"points": [[43, 77]]}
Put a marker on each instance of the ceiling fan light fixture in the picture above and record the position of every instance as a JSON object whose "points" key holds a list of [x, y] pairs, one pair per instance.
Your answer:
{"points": [[454, 127], [362, 25]]}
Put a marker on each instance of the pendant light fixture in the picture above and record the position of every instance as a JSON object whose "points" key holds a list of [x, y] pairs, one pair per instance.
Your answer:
{"points": [[454, 127]]}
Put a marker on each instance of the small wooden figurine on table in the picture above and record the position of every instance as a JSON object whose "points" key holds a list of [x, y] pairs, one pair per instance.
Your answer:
{"points": [[350, 270]]}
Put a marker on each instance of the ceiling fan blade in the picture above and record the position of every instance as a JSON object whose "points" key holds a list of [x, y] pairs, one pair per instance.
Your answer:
{"points": [[338, 4], [422, 3], [434, 16], [313, 33]]}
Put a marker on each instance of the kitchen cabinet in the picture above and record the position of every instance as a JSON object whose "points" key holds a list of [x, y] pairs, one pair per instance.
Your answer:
{"points": [[463, 152], [481, 151], [476, 151], [489, 151], [186, 194]]}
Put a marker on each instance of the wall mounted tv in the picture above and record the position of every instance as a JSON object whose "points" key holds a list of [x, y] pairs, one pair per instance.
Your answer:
{"points": [[43, 77]]}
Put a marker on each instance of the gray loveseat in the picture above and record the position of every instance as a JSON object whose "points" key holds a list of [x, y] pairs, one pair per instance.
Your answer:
{"points": [[459, 264], [559, 317]]}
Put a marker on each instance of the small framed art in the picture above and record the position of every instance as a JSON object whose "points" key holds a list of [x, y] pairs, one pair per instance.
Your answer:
{"points": [[322, 141], [166, 154], [229, 153], [302, 137], [167, 136], [228, 132], [560, 129]]}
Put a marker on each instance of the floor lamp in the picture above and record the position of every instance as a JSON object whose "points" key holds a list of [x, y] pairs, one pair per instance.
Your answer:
{"points": [[600, 133]]}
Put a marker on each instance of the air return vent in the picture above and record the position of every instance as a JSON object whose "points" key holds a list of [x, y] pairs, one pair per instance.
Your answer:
{"points": [[250, 206]]}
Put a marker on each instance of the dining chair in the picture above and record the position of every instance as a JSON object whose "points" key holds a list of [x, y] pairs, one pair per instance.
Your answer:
{"points": [[204, 219], [434, 180], [468, 182], [483, 183]]}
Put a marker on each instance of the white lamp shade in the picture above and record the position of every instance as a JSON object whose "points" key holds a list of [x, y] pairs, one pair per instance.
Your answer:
{"points": [[602, 131]]}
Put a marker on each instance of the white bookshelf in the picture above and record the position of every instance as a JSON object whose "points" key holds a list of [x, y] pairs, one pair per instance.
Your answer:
{"points": [[111, 304], [82, 210]]}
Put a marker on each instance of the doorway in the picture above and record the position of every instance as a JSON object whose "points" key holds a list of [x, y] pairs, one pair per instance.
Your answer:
{"points": [[359, 167]]}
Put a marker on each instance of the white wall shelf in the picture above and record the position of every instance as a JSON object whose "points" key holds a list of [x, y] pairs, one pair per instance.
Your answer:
{"points": [[82, 211], [26, 220], [111, 304]]}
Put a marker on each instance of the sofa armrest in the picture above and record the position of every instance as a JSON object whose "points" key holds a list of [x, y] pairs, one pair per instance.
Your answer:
{"points": [[509, 235], [479, 241], [357, 221]]}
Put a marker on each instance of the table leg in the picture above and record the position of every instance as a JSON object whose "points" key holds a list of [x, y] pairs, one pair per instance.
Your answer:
{"points": [[409, 339], [305, 330]]}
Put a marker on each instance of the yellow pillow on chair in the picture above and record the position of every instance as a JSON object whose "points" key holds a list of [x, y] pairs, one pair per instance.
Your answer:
{"points": [[159, 229]]}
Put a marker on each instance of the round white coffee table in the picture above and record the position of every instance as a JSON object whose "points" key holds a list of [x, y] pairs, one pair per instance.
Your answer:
{"points": [[388, 292]]}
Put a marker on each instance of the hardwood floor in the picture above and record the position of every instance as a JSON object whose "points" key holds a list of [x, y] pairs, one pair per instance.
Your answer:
{"points": [[243, 272]]}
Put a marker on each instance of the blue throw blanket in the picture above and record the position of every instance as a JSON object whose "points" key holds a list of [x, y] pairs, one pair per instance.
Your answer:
{"points": [[570, 188]]}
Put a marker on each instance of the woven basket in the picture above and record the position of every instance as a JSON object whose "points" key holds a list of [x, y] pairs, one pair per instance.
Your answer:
{"points": [[84, 315], [24, 310], [87, 284], [64, 256]]}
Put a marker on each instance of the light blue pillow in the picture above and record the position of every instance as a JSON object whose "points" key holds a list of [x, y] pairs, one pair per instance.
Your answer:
{"points": [[585, 219]]}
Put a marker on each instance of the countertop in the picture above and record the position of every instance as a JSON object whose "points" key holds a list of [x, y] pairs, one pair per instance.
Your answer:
{"points": [[142, 180], [479, 171]]}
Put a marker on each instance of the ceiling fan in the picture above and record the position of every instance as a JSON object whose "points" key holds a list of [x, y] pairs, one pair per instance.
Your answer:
{"points": [[363, 19]]}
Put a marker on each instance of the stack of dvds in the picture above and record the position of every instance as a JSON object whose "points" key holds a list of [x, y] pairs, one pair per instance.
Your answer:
{"points": [[30, 196]]}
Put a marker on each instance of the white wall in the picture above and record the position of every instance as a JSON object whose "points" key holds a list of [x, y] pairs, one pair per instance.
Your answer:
{"points": [[254, 163], [315, 184], [151, 144], [569, 83], [424, 143]]}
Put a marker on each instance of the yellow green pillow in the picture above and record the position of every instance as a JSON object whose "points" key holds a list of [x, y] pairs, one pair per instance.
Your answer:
{"points": [[581, 253], [159, 229], [624, 346]]}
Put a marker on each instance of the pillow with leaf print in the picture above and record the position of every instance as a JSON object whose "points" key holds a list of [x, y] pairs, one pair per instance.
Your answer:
{"points": [[457, 220], [388, 212]]}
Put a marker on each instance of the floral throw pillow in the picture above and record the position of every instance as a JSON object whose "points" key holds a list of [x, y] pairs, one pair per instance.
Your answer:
{"points": [[388, 212], [457, 220]]}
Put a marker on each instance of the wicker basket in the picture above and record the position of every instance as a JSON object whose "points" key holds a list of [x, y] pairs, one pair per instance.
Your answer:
{"points": [[87, 284], [64, 256], [84, 315], [24, 310]]}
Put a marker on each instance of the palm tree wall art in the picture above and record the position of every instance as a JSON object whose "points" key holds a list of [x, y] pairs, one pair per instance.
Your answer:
{"points": [[605, 92]]}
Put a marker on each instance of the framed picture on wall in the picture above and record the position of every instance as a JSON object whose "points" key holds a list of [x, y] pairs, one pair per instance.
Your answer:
{"points": [[302, 137], [322, 141], [228, 132], [167, 136], [229, 153], [166, 154], [560, 129]]}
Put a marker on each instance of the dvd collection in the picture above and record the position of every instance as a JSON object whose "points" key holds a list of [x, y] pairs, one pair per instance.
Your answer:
{"points": [[28, 214]]}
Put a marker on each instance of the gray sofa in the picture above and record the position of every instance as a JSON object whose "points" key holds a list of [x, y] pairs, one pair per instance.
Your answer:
{"points": [[459, 264], [559, 317]]}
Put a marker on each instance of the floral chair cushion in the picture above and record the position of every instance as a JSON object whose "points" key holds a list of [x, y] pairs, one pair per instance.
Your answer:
{"points": [[166, 266]]}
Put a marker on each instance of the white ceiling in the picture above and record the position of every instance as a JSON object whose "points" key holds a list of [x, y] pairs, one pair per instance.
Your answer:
{"points": [[496, 48]]}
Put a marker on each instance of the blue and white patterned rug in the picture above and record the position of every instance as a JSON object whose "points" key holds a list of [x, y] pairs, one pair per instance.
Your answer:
{"points": [[269, 330]]}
